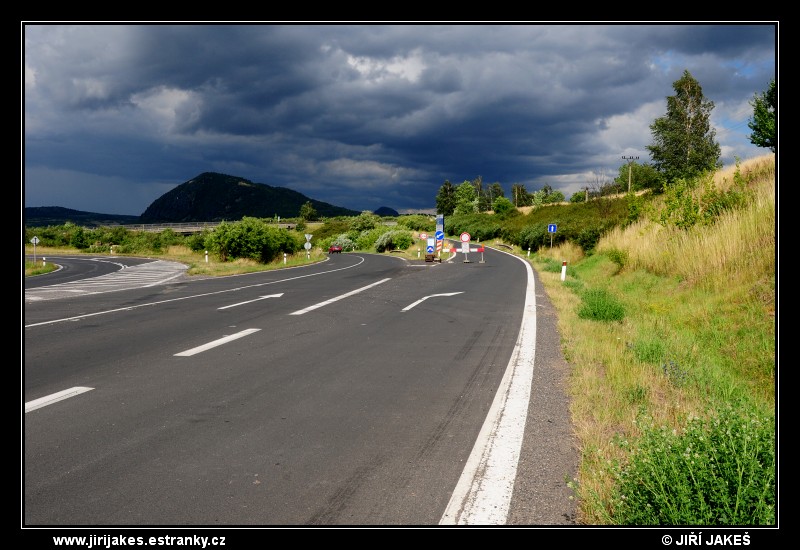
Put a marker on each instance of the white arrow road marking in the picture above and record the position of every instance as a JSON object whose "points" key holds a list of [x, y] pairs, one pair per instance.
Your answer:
{"points": [[251, 301], [54, 398], [216, 343], [431, 296]]}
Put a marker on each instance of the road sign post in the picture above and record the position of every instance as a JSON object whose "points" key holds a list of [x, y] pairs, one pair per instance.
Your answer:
{"points": [[35, 241], [551, 229], [465, 238]]}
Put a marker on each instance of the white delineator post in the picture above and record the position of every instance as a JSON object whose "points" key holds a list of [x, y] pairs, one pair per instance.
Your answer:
{"points": [[563, 270]]}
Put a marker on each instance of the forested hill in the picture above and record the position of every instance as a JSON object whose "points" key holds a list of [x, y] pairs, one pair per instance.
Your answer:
{"points": [[207, 198], [217, 197], [42, 216]]}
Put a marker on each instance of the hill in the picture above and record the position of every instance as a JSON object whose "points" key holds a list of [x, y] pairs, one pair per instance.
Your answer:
{"points": [[218, 197], [42, 216], [386, 211]]}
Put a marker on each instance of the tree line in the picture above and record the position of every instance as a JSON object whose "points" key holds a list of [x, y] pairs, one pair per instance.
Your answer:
{"points": [[683, 147]]}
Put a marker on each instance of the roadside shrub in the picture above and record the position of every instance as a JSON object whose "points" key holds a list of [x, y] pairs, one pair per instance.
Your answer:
{"points": [[619, 257], [502, 206], [197, 241], [342, 240], [599, 305], [532, 236], [366, 239], [253, 239], [79, 239], [587, 238], [719, 471], [417, 222], [397, 239], [365, 221]]}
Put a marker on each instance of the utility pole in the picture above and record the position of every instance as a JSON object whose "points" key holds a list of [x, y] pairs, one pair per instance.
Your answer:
{"points": [[630, 161]]}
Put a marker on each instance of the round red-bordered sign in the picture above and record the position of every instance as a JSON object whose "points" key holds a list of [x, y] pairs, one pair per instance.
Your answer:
{"points": [[465, 237]]}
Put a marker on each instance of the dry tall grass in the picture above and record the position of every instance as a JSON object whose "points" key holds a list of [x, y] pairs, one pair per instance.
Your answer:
{"points": [[703, 300], [712, 255]]}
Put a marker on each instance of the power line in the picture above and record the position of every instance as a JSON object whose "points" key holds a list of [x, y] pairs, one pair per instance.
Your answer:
{"points": [[630, 161]]}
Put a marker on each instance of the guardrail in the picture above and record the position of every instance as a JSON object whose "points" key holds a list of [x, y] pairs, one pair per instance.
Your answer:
{"points": [[185, 227]]}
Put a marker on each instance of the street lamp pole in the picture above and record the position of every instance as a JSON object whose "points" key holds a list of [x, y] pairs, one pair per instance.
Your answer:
{"points": [[630, 160]]}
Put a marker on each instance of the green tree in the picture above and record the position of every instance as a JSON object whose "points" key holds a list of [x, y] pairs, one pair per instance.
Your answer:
{"points": [[520, 195], [502, 205], [683, 140], [496, 191], [365, 221], [643, 176], [553, 197], [308, 212], [466, 198], [765, 111], [446, 199], [489, 194]]}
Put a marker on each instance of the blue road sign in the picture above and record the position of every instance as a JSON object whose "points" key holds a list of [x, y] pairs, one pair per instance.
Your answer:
{"points": [[429, 250], [440, 235], [551, 228]]}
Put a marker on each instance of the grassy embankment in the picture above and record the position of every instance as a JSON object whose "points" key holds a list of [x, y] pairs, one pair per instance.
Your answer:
{"points": [[671, 337]]}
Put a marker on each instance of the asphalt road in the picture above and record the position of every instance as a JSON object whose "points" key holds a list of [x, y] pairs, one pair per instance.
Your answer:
{"points": [[365, 390]]}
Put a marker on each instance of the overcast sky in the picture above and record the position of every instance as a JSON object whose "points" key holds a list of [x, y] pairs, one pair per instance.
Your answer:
{"points": [[365, 115]]}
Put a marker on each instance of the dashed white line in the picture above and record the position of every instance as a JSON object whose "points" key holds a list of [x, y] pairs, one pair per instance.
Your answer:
{"points": [[343, 296], [54, 398], [215, 343], [251, 301]]}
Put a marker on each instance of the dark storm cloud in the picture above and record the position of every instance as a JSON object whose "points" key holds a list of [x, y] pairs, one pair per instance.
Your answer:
{"points": [[364, 116]]}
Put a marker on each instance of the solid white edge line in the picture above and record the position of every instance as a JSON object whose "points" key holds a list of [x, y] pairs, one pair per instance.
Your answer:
{"points": [[343, 296], [54, 398], [483, 493], [215, 343]]}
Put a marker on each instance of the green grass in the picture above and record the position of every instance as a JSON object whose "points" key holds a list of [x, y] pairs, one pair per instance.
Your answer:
{"points": [[672, 382], [717, 472], [40, 267]]}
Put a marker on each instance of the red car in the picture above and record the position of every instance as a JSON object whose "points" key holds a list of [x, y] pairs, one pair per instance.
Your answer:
{"points": [[335, 249]]}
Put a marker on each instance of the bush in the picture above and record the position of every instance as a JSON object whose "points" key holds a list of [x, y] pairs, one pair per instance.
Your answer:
{"points": [[716, 472], [394, 240], [532, 236], [342, 240], [600, 305], [253, 239], [417, 222], [367, 238], [587, 238]]}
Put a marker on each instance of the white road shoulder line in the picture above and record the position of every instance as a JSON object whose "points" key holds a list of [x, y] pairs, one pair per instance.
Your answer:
{"points": [[483, 493]]}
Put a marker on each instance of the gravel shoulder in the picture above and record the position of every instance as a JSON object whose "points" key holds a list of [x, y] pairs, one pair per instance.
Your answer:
{"points": [[549, 456]]}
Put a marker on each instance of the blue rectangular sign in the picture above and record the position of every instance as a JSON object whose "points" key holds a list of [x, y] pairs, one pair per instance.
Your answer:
{"points": [[551, 228]]}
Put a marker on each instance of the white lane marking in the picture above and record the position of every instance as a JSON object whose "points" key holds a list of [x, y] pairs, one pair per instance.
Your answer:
{"points": [[342, 297], [251, 301], [483, 493], [215, 343], [77, 317], [418, 302], [54, 398]]}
